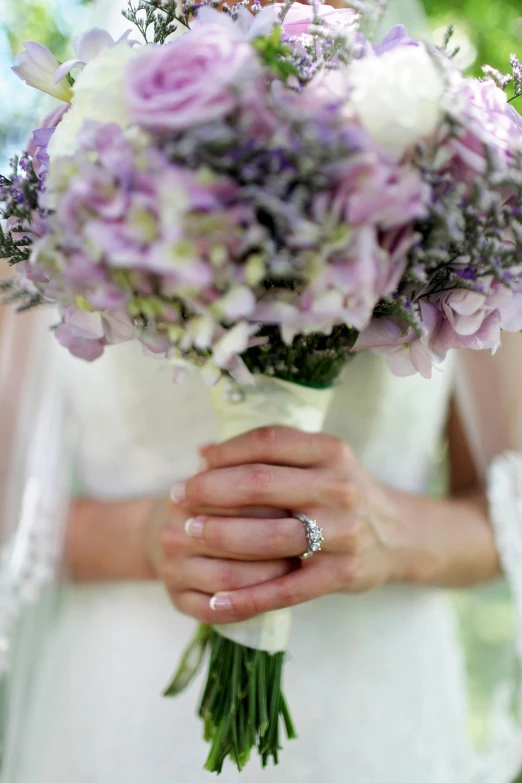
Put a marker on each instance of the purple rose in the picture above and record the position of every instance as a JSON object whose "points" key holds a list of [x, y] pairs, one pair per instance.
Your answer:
{"points": [[468, 319], [489, 121], [300, 16], [193, 80]]}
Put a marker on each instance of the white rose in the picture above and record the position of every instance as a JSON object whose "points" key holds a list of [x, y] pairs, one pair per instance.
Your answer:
{"points": [[99, 95], [398, 96]]}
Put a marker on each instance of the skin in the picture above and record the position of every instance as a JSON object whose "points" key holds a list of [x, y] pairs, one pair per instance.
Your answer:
{"points": [[249, 565]]}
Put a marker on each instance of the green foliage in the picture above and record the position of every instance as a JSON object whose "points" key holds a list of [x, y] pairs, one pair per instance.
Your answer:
{"points": [[34, 21], [275, 53], [494, 28]]}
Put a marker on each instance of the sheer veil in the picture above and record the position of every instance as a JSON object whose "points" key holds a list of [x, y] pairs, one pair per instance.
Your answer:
{"points": [[34, 477]]}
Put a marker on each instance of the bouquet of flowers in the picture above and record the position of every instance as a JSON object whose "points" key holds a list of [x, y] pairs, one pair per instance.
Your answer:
{"points": [[262, 193]]}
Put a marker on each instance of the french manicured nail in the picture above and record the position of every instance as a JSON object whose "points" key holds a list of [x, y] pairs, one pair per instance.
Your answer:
{"points": [[203, 465], [220, 603], [194, 527], [177, 493], [206, 446]]}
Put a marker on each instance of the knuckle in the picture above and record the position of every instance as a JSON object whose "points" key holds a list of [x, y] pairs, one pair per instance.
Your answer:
{"points": [[251, 605], [196, 487], [282, 535], [214, 535], [226, 577], [266, 438], [344, 492], [340, 451], [350, 536], [172, 540], [259, 479]]}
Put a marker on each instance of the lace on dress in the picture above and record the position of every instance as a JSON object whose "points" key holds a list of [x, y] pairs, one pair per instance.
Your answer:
{"points": [[489, 391]]}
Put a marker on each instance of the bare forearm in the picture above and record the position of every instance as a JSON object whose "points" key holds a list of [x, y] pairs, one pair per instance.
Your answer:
{"points": [[450, 542], [107, 541]]}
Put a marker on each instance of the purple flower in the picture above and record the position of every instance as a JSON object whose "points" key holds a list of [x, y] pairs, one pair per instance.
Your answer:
{"points": [[42, 136], [193, 80], [407, 353], [488, 122], [467, 319], [85, 334], [397, 36], [371, 191]]}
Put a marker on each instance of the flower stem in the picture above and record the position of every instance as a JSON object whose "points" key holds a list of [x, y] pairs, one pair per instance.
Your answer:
{"points": [[242, 704]]}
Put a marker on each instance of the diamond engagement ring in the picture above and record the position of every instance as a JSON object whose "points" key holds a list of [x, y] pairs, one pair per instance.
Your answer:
{"points": [[314, 535]]}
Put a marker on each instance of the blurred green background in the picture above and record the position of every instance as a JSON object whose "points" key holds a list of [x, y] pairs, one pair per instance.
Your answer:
{"points": [[488, 31]]}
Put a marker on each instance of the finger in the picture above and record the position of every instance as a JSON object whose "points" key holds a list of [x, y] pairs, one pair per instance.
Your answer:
{"points": [[261, 512], [176, 545], [277, 446], [309, 582], [198, 605], [266, 485], [210, 575], [259, 538]]}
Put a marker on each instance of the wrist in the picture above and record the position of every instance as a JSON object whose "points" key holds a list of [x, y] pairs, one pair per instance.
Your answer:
{"points": [[107, 541], [445, 542]]}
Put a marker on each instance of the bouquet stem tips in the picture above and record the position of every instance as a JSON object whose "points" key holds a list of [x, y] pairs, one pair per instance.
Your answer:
{"points": [[243, 705]]}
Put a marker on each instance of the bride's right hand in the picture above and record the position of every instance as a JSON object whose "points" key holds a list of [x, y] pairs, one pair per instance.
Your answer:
{"points": [[191, 572]]}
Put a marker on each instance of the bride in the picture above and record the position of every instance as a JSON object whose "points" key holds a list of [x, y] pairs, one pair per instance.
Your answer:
{"points": [[375, 672]]}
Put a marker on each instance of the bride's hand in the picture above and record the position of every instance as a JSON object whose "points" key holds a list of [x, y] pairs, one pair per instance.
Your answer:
{"points": [[193, 571], [317, 475]]}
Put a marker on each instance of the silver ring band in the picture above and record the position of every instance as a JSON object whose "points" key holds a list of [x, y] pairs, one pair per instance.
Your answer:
{"points": [[314, 535]]}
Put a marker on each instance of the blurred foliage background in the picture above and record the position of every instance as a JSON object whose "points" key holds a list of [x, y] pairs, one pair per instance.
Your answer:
{"points": [[487, 31]]}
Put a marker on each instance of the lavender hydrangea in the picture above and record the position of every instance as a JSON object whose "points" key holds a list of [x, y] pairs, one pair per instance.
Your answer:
{"points": [[246, 198]]}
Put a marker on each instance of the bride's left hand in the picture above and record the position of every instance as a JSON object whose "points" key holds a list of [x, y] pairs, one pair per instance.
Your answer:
{"points": [[318, 475]]}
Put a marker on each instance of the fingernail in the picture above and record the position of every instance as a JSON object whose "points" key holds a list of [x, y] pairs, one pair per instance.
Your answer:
{"points": [[177, 493], [206, 446], [220, 603], [194, 527], [203, 465]]}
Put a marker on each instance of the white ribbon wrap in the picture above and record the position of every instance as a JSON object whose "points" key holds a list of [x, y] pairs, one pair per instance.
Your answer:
{"points": [[268, 402]]}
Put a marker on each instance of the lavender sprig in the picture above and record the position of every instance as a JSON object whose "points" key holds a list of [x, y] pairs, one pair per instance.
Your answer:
{"points": [[161, 15], [19, 195], [516, 76]]}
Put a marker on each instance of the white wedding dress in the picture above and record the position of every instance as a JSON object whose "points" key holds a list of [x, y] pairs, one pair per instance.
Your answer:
{"points": [[376, 682]]}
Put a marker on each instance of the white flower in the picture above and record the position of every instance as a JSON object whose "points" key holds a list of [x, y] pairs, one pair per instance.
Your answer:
{"points": [[233, 343], [37, 67], [398, 96], [99, 96], [87, 46]]}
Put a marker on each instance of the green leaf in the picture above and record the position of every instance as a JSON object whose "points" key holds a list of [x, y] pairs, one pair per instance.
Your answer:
{"points": [[191, 662]]}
